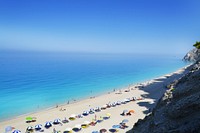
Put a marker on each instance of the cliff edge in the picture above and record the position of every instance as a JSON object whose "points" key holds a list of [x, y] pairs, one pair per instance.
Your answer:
{"points": [[192, 55]]}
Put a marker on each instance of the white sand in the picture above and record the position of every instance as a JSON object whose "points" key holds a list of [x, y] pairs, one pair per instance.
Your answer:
{"points": [[152, 91]]}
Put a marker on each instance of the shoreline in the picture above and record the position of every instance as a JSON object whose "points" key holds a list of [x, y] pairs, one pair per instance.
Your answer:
{"points": [[12, 121], [85, 98], [61, 105]]}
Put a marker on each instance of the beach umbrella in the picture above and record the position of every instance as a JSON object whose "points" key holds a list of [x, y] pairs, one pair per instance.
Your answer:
{"points": [[48, 124], [131, 111], [29, 128], [125, 121], [67, 130], [95, 131], [57, 121], [79, 116], [113, 130], [125, 111], [103, 130], [118, 102], [9, 128], [104, 106], [108, 114], [84, 125], [93, 123], [113, 104], [109, 105], [116, 126], [28, 119], [85, 113], [16, 131], [134, 98], [77, 128], [72, 117], [123, 102], [92, 111], [127, 100], [65, 120], [97, 109], [38, 127]]}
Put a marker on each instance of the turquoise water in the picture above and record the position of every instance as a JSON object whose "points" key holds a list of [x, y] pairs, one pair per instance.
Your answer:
{"points": [[33, 81]]}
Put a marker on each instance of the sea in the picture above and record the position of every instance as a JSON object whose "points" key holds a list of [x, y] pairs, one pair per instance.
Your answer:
{"points": [[33, 81]]}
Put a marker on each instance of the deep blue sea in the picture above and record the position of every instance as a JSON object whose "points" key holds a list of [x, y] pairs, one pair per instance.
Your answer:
{"points": [[34, 81]]}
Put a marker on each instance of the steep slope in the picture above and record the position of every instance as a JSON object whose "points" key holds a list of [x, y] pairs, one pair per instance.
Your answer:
{"points": [[178, 111], [192, 55]]}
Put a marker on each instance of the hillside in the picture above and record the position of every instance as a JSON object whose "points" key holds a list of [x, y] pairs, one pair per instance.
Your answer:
{"points": [[178, 111], [192, 55]]}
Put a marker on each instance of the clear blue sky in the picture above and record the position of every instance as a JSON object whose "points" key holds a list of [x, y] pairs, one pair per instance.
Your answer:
{"points": [[105, 26]]}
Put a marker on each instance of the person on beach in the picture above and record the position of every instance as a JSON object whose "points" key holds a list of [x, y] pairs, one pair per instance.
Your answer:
{"points": [[54, 130], [95, 117], [123, 113]]}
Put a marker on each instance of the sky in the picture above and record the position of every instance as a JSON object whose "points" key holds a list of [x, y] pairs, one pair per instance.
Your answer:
{"points": [[100, 26]]}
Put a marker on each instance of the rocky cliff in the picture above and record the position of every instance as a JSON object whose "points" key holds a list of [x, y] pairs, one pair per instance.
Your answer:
{"points": [[178, 111], [192, 55]]}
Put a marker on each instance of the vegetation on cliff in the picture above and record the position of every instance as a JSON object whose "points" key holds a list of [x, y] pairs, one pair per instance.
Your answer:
{"points": [[197, 45]]}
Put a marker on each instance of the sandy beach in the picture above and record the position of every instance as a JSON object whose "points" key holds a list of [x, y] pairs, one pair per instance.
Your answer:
{"points": [[150, 90]]}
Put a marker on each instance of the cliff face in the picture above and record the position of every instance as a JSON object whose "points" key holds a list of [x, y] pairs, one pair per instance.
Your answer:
{"points": [[192, 56], [178, 111]]}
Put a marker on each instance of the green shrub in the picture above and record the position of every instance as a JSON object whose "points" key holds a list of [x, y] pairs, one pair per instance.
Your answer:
{"points": [[197, 45]]}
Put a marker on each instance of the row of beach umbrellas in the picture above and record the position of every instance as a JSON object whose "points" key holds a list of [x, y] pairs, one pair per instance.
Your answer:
{"points": [[98, 109], [114, 128], [76, 127], [48, 124]]}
